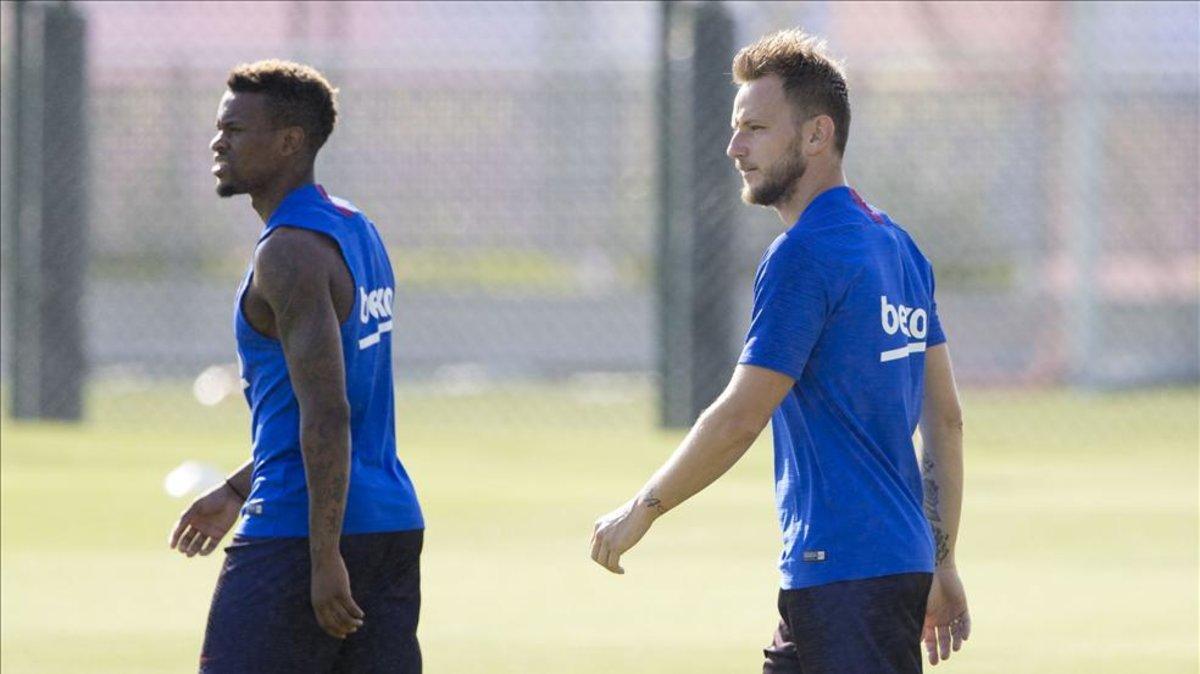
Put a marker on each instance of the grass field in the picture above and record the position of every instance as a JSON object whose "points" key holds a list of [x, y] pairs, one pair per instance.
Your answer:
{"points": [[1079, 543]]}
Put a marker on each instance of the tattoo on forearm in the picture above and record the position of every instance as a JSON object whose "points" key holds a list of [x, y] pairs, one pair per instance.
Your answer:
{"points": [[941, 542], [932, 491], [328, 480]]}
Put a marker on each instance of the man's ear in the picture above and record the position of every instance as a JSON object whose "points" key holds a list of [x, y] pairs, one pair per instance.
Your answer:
{"points": [[818, 134], [293, 140]]}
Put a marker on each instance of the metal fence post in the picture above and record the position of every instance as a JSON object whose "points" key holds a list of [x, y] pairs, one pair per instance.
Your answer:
{"points": [[697, 317], [49, 247]]}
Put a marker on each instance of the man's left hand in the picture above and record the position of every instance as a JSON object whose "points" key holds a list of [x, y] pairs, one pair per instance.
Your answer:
{"points": [[947, 621]]}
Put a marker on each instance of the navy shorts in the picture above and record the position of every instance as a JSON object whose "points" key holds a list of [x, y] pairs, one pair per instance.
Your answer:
{"points": [[870, 626], [262, 620]]}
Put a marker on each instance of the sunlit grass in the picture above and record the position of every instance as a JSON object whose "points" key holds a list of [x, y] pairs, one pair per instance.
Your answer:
{"points": [[1079, 543]]}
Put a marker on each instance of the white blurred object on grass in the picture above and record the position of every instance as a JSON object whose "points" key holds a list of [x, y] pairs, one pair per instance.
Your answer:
{"points": [[191, 477], [215, 383]]}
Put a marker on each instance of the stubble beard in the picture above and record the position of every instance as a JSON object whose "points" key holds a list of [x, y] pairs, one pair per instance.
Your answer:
{"points": [[779, 183], [230, 187]]}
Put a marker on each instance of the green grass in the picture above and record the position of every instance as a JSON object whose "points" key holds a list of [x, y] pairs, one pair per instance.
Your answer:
{"points": [[1079, 543]]}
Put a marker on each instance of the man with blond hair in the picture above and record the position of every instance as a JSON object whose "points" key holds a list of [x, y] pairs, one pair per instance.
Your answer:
{"points": [[846, 357]]}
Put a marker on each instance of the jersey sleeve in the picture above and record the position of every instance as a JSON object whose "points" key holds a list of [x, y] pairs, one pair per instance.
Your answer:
{"points": [[790, 308], [935, 336]]}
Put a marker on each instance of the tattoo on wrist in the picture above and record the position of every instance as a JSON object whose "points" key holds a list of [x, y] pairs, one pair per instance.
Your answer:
{"points": [[652, 502]]}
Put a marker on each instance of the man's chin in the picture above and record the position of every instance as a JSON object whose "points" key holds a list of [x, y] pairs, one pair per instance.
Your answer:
{"points": [[753, 198], [226, 190], [748, 195]]}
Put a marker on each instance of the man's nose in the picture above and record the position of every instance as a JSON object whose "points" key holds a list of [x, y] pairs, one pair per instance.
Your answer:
{"points": [[735, 148], [217, 143]]}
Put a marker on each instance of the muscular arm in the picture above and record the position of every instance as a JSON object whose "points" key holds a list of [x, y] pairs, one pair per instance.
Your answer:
{"points": [[294, 274], [942, 453], [716, 442]]}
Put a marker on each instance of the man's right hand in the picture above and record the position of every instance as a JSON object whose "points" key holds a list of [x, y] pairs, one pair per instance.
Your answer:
{"points": [[336, 610], [618, 531], [202, 526]]}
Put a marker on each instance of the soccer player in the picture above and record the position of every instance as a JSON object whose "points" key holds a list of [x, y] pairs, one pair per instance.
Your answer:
{"points": [[846, 357], [323, 571]]}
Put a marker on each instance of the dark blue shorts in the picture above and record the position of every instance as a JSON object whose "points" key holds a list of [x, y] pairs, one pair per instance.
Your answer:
{"points": [[870, 626], [262, 619]]}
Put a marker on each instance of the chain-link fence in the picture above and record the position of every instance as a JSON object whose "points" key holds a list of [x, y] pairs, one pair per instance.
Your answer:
{"points": [[1044, 156]]}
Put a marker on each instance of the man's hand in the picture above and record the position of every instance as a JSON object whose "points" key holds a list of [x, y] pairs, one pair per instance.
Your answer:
{"points": [[202, 526], [337, 613], [718, 439], [620, 530], [947, 621]]}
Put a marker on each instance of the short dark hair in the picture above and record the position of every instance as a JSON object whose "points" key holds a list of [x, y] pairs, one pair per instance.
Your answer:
{"points": [[812, 80], [298, 95]]}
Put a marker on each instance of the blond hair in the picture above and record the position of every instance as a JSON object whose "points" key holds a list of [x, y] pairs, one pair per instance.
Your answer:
{"points": [[813, 82]]}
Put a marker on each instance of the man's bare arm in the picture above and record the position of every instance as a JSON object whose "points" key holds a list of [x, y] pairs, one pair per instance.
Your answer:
{"points": [[947, 620], [293, 274], [719, 438], [716, 442], [942, 453]]}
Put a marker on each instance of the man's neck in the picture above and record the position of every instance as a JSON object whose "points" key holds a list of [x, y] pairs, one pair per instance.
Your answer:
{"points": [[815, 181], [268, 199]]}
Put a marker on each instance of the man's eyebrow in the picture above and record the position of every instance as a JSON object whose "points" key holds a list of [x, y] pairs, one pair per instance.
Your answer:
{"points": [[744, 121]]}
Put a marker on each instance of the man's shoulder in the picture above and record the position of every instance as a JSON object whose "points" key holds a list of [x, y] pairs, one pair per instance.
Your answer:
{"points": [[909, 242], [825, 242], [843, 233], [790, 247], [292, 253], [797, 258], [290, 242]]}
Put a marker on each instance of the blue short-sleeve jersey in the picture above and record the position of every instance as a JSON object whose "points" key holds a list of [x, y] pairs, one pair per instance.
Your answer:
{"points": [[843, 303], [381, 496]]}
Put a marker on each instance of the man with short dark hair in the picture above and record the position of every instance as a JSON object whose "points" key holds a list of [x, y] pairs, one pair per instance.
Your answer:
{"points": [[323, 574], [846, 357]]}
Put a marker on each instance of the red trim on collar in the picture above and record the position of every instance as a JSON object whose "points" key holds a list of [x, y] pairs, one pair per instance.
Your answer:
{"points": [[874, 214], [344, 211]]}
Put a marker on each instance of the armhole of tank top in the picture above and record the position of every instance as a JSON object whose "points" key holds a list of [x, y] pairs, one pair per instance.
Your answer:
{"points": [[341, 252], [241, 303]]}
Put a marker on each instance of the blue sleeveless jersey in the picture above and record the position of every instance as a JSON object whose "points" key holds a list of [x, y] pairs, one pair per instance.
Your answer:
{"points": [[381, 496]]}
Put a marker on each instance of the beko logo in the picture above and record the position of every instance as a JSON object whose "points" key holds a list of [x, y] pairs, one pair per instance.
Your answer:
{"points": [[912, 323], [376, 304]]}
